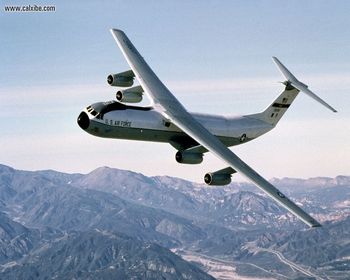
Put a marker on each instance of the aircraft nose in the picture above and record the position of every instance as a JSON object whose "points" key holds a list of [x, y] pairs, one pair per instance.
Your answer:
{"points": [[83, 120]]}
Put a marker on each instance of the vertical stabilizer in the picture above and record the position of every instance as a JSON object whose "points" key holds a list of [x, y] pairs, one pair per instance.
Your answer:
{"points": [[279, 106]]}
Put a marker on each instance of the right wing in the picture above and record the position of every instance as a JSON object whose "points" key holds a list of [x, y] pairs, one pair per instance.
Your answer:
{"points": [[172, 109], [194, 129]]}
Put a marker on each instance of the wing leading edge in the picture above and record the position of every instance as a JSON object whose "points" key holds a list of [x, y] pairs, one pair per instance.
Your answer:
{"points": [[171, 108]]}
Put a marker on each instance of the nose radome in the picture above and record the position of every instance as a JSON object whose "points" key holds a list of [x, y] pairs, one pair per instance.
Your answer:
{"points": [[83, 120]]}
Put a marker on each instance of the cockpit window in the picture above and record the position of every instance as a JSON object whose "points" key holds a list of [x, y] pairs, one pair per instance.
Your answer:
{"points": [[99, 109], [112, 106]]}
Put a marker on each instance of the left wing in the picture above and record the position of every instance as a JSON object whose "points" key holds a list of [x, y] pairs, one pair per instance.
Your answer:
{"points": [[172, 109]]}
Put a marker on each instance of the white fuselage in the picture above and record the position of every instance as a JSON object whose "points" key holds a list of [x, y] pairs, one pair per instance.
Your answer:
{"points": [[146, 124]]}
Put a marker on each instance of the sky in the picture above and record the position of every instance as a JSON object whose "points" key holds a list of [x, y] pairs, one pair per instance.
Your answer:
{"points": [[215, 56]]}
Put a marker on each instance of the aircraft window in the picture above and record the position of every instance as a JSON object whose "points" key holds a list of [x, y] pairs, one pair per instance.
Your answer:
{"points": [[102, 108], [112, 106], [166, 123]]}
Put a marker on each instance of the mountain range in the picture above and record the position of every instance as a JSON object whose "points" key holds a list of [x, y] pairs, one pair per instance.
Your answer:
{"points": [[116, 223]]}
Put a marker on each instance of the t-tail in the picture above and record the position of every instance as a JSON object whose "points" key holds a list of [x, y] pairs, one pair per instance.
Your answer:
{"points": [[276, 110]]}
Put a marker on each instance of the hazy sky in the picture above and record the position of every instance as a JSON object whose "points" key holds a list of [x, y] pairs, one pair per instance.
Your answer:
{"points": [[214, 55]]}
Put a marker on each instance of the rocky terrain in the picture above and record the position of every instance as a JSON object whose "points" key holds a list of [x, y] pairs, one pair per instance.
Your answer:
{"points": [[115, 223]]}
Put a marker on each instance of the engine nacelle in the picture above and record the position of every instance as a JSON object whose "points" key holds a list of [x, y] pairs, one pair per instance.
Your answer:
{"points": [[219, 178], [213, 179], [130, 95], [188, 157], [123, 79]]}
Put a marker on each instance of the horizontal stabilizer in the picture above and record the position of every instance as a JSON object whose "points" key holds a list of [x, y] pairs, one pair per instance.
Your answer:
{"points": [[294, 82]]}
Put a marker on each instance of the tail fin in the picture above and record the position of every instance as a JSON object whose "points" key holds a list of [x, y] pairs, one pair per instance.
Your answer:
{"points": [[273, 113]]}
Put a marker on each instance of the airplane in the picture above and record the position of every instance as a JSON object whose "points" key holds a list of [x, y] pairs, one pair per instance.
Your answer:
{"points": [[191, 134]]}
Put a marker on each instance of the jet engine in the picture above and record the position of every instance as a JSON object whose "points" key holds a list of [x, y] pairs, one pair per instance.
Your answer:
{"points": [[130, 95], [123, 79], [219, 178], [188, 157]]}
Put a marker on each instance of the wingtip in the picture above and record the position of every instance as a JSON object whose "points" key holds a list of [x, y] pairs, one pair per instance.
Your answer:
{"points": [[116, 30], [275, 59], [316, 226]]}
